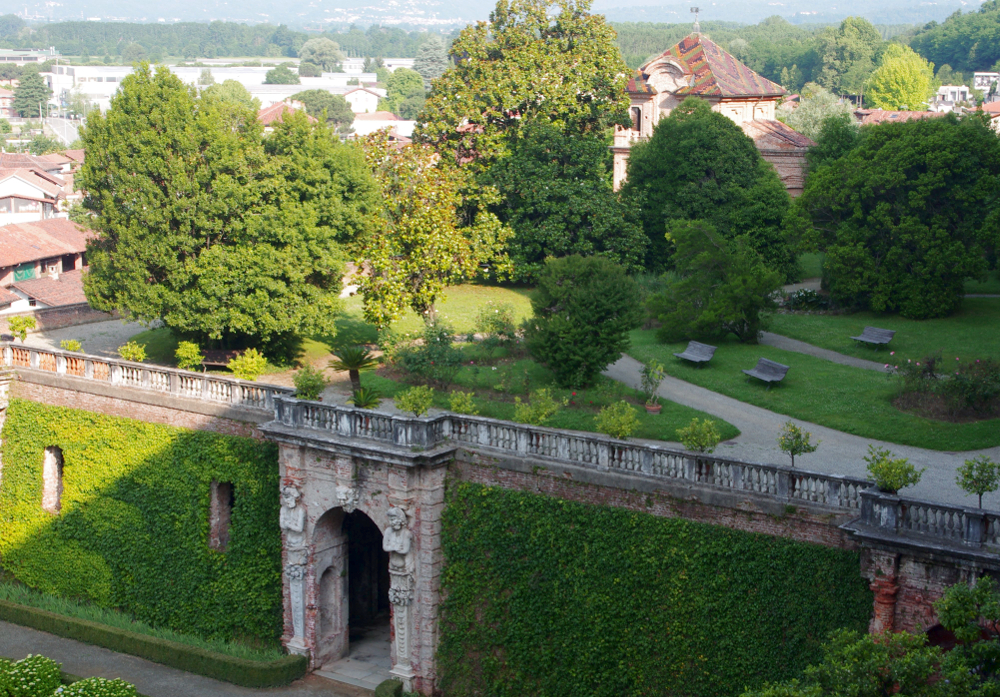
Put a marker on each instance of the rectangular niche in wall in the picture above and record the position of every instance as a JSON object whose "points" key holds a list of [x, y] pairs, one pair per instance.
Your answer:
{"points": [[52, 480], [220, 515]]}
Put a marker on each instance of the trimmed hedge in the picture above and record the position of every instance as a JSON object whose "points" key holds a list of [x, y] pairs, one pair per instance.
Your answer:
{"points": [[133, 532], [544, 596], [238, 671]]}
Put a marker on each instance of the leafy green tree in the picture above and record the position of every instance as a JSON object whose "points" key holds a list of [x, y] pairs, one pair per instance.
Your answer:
{"points": [[206, 78], [979, 476], [431, 232], [848, 55], [42, 145], [545, 60], [838, 135], [903, 80], [232, 92], [404, 84], [196, 226], [373, 64], [31, 95], [719, 287], [133, 53], [816, 104], [282, 75], [556, 195], [338, 111], [323, 53], [908, 214], [584, 309], [699, 165], [10, 25], [307, 69], [432, 59], [965, 41]]}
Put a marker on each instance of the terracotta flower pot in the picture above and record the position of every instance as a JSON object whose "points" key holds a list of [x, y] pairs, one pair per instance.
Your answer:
{"points": [[653, 408]]}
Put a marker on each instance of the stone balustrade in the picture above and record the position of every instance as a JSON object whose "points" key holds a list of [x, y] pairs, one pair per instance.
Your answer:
{"points": [[892, 515], [215, 389]]}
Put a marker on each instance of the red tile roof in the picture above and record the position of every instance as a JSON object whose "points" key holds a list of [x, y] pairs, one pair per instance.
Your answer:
{"points": [[638, 85], [13, 160], [784, 135], [6, 297], [44, 239], [869, 117], [713, 72], [276, 112], [57, 158], [67, 289], [993, 108], [75, 155], [42, 180]]}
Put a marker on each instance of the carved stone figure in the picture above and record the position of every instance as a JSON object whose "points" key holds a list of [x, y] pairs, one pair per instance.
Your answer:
{"points": [[397, 542], [292, 518], [347, 497]]}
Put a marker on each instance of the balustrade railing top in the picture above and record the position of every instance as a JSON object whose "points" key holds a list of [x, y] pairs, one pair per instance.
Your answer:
{"points": [[216, 389]]}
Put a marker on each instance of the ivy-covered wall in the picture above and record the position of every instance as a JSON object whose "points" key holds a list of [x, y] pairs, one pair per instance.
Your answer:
{"points": [[133, 531], [549, 597]]}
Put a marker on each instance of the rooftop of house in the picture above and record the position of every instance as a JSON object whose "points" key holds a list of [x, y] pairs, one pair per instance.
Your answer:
{"points": [[64, 289], [778, 133], [45, 182], [870, 117], [75, 155], [377, 116], [21, 243], [13, 160], [7, 298], [276, 112], [5, 93], [711, 72]]}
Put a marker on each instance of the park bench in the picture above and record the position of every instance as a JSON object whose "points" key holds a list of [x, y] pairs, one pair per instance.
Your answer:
{"points": [[6, 337], [768, 371], [214, 358], [876, 336], [697, 352]]}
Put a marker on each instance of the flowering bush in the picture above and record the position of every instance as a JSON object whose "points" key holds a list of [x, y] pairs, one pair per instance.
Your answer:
{"points": [[435, 359], [32, 676], [497, 325], [98, 687]]}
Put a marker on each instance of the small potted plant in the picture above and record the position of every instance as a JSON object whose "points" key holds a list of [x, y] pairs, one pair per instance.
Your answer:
{"points": [[653, 375]]}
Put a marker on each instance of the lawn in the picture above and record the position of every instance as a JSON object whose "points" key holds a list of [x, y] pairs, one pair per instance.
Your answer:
{"points": [[990, 285], [496, 383], [811, 265], [847, 399], [973, 332]]}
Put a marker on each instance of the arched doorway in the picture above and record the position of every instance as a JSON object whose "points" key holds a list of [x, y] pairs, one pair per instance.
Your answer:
{"points": [[367, 589]]}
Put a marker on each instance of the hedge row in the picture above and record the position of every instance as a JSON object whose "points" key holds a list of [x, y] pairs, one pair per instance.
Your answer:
{"points": [[133, 532], [549, 597], [238, 671]]}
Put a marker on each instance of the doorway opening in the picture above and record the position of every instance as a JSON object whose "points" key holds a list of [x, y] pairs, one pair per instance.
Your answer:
{"points": [[367, 591]]}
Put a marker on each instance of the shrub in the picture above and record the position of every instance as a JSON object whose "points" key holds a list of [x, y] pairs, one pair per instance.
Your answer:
{"points": [[699, 436], [70, 345], [979, 476], [365, 398], [435, 359], [309, 383], [891, 474], [541, 407], [249, 365], [495, 322], [354, 359], [19, 326], [584, 308], [33, 676], [99, 687], [416, 400], [188, 355], [618, 420], [463, 403], [132, 351], [920, 376], [975, 385], [794, 441], [653, 376]]}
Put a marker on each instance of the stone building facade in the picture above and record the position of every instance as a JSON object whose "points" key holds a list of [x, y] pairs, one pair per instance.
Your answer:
{"points": [[698, 67]]}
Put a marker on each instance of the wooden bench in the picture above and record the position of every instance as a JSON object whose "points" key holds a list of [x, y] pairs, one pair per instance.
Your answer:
{"points": [[876, 336], [214, 358], [768, 371], [697, 353]]}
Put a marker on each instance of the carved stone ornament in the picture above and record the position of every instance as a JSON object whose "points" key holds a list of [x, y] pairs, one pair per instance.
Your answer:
{"points": [[295, 572], [292, 518], [401, 593], [347, 497]]}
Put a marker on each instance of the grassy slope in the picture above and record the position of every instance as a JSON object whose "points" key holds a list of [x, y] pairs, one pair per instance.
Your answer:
{"points": [[847, 399], [973, 332]]}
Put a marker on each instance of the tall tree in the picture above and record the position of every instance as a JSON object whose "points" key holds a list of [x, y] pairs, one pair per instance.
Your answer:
{"points": [[699, 165], [432, 59], [556, 195], [323, 53], [544, 60], [196, 226], [403, 87], [233, 92], [908, 214], [338, 111], [31, 95], [848, 55], [282, 75], [903, 80], [815, 106], [967, 42], [430, 234]]}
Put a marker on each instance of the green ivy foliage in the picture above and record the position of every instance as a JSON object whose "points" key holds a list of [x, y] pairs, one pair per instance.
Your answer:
{"points": [[548, 597], [133, 529]]}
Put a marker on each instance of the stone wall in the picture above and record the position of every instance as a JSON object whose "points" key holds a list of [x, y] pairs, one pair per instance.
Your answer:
{"points": [[57, 317]]}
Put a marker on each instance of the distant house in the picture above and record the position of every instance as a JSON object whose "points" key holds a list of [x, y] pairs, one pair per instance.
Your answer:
{"points": [[363, 100], [28, 195], [57, 290], [948, 97], [993, 111], [276, 113], [6, 103], [873, 117], [33, 250], [369, 123]]}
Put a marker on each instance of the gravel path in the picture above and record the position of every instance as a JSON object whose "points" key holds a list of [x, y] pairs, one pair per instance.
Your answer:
{"points": [[98, 338], [783, 342], [839, 453]]}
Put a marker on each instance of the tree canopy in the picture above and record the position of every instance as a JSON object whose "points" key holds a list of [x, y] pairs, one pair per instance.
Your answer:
{"points": [[432, 59], [816, 104], [282, 75], [323, 53], [31, 95], [338, 111], [535, 60], [848, 55], [699, 165], [903, 80], [404, 93], [967, 42], [907, 215], [233, 92], [556, 195], [197, 226]]}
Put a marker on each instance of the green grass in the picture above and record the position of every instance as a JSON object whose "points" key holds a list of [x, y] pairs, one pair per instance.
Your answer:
{"points": [[519, 377], [989, 286], [847, 399], [160, 345], [973, 332], [22, 595], [811, 265]]}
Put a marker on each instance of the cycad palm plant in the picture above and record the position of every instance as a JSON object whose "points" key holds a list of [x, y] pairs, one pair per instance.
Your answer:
{"points": [[354, 359]]}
